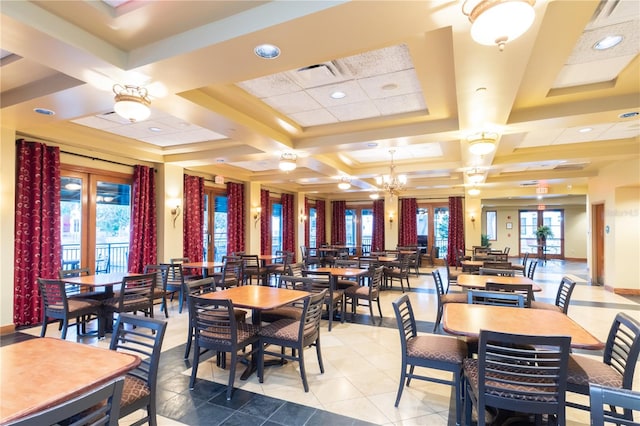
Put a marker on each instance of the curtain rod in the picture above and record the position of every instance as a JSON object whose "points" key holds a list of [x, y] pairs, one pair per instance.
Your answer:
{"points": [[100, 159]]}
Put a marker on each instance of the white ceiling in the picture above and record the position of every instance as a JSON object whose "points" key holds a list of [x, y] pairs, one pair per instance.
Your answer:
{"points": [[414, 82]]}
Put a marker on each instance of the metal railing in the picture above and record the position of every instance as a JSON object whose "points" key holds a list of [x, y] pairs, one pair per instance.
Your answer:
{"points": [[110, 257]]}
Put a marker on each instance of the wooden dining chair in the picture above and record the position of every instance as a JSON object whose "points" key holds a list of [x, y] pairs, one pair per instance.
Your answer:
{"points": [[605, 396], [563, 297], [334, 299], [444, 298], [136, 295], [160, 292], [366, 295], [525, 289], [495, 298]]}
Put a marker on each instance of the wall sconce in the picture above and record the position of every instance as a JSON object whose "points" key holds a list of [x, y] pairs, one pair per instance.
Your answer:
{"points": [[390, 219], [175, 212], [473, 219], [256, 216], [303, 217]]}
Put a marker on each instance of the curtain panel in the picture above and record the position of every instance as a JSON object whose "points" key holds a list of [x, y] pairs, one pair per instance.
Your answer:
{"points": [[377, 242], [143, 244], [265, 222], [192, 238], [235, 217], [37, 245], [306, 222], [321, 233], [408, 223], [338, 222], [288, 224], [456, 229]]}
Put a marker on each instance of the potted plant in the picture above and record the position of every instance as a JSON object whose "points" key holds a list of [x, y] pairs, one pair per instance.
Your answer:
{"points": [[484, 240], [542, 233]]}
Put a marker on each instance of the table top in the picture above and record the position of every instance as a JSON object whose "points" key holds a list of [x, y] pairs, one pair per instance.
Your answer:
{"points": [[35, 378], [475, 263], [480, 281], [99, 280], [340, 272], [464, 319], [270, 256], [384, 259], [203, 264], [257, 297]]}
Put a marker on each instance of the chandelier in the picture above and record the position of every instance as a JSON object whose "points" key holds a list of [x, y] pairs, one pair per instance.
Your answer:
{"points": [[392, 183], [288, 162], [132, 102], [345, 183], [497, 22], [482, 143]]}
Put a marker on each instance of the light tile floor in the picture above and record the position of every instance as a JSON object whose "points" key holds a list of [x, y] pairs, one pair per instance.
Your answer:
{"points": [[362, 366]]}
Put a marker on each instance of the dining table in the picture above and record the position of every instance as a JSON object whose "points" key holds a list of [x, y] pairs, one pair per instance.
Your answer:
{"points": [[462, 319], [471, 265], [257, 298], [204, 266], [40, 373], [480, 281]]}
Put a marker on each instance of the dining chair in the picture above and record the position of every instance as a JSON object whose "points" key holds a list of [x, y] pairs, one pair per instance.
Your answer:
{"points": [[308, 258], [618, 363], [366, 295], [522, 373], [521, 267], [175, 277], [296, 334], [56, 304], [292, 310], [444, 298], [75, 291], [495, 298], [531, 269], [253, 269], [496, 265], [136, 294], [344, 283], [334, 299], [189, 274], [431, 351], [399, 273], [295, 269], [525, 289], [142, 337], [563, 297], [601, 396], [452, 275], [160, 292], [496, 272], [232, 274], [216, 329], [199, 287], [99, 406]]}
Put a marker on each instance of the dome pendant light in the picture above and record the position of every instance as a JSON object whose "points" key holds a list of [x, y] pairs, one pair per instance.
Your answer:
{"points": [[497, 22], [132, 102]]}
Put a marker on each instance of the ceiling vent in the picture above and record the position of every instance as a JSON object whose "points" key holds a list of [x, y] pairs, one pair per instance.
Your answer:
{"points": [[574, 166], [319, 75], [530, 183], [609, 12]]}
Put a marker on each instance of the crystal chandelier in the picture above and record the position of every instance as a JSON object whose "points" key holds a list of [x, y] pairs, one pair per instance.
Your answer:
{"points": [[392, 183]]}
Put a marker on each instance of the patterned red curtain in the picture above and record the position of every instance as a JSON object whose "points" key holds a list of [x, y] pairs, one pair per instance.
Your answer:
{"points": [[193, 244], [306, 223], [338, 222], [456, 229], [37, 246], [265, 222], [321, 233], [143, 243], [235, 217], [288, 224], [377, 242], [408, 223]]}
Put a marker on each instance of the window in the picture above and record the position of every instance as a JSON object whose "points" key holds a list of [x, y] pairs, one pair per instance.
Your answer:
{"points": [[492, 225], [359, 228], [313, 220], [276, 226], [433, 227], [215, 212]]}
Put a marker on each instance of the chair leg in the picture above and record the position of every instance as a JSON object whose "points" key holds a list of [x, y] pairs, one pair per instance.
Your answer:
{"points": [[330, 309], [438, 319], [303, 372], [379, 309], [65, 326], [44, 327], [151, 412], [189, 339], [180, 302], [401, 386], [319, 354], [194, 365], [232, 374], [457, 377]]}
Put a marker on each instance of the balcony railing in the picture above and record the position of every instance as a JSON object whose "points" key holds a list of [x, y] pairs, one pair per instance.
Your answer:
{"points": [[110, 257]]}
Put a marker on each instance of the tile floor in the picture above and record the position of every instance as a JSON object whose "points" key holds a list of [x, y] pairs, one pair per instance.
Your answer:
{"points": [[362, 363]]}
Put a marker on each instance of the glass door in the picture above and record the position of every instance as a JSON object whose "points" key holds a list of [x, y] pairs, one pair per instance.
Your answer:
{"points": [[530, 220], [215, 226]]}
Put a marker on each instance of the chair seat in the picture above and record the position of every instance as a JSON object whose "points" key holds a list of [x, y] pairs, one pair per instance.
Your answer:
{"points": [[76, 305], [471, 373], [220, 336], [129, 303], [345, 284], [437, 348], [360, 290], [283, 329], [134, 390], [544, 305], [454, 298], [584, 370], [284, 312]]}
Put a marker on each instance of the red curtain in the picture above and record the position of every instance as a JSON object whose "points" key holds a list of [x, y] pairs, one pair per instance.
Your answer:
{"points": [[193, 244], [321, 233], [408, 223], [265, 222], [338, 222], [143, 245], [288, 224], [456, 229], [235, 217], [377, 242], [306, 223], [37, 246]]}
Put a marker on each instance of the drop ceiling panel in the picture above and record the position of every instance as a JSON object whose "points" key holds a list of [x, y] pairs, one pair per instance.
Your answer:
{"points": [[374, 155]]}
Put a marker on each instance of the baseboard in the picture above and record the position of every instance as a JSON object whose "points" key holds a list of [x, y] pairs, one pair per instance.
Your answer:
{"points": [[623, 291], [7, 329]]}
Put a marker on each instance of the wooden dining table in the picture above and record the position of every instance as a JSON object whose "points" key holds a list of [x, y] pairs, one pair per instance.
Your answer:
{"points": [[480, 281], [257, 298], [462, 319], [204, 266], [43, 372]]}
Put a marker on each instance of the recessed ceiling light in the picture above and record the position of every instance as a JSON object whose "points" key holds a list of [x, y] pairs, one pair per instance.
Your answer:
{"points": [[43, 111], [372, 144], [629, 114], [585, 129], [155, 129], [338, 94], [267, 51], [608, 42]]}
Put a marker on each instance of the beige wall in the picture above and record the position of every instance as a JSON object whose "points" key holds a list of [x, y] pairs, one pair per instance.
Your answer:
{"points": [[7, 223]]}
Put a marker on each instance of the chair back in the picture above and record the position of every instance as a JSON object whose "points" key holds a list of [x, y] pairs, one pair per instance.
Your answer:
{"points": [[522, 372], [524, 259], [162, 273], [497, 272], [103, 263], [405, 320], [72, 273], [525, 289], [232, 272], [346, 263], [599, 396], [199, 286], [214, 323], [622, 347], [496, 265], [563, 297], [368, 262], [531, 269], [292, 282], [295, 269], [54, 298], [496, 298], [311, 316], [506, 250], [178, 260], [99, 406], [137, 293], [437, 279], [375, 281]]}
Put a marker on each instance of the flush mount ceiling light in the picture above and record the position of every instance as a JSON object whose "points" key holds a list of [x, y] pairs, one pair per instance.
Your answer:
{"points": [[132, 102], [474, 192], [608, 42], [482, 143], [374, 195], [475, 176], [267, 51], [345, 182], [497, 22], [288, 162]]}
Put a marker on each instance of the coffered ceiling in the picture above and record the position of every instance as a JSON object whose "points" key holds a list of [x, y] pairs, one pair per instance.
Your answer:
{"points": [[414, 82]]}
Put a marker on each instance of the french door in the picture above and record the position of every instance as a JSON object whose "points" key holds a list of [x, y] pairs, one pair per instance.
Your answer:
{"points": [[530, 220], [433, 227], [215, 225]]}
